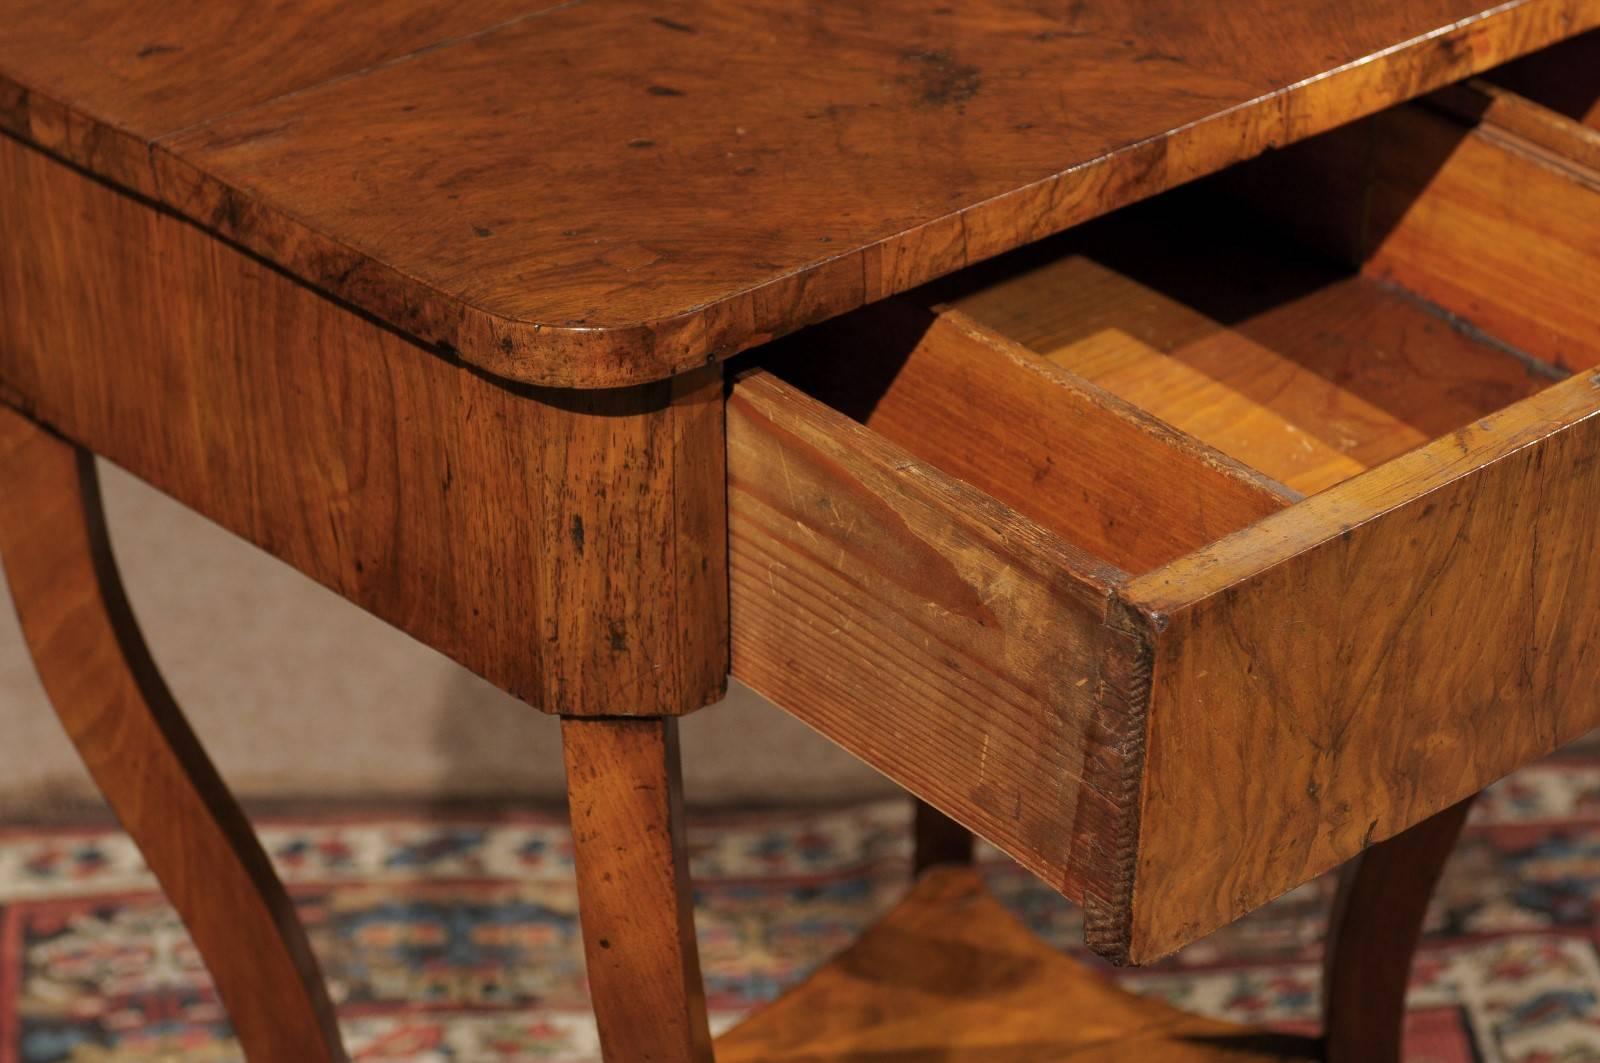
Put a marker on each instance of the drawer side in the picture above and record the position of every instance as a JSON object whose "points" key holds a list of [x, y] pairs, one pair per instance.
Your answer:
{"points": [[930, 630]]}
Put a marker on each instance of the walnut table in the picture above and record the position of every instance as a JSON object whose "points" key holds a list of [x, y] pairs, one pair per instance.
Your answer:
{"points": [[1242, 531]]}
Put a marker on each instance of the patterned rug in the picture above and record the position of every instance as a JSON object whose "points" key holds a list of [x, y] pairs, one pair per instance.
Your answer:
{"points": [[454, 937]]}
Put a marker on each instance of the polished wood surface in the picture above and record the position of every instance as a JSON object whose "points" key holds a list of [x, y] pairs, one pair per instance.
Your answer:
{"points": [[1032, 542], [1372, 937], [1302, 704], [1452, 467], [948, 976], [97, 82], [138, 747], [568, 547], [625, 796], [609, 192]]}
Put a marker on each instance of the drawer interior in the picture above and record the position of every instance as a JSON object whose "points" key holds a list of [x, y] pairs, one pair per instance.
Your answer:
{"points": [[1122, 550], [1106, 476], [1565, 78], [1162, 376], [1209, 316]]}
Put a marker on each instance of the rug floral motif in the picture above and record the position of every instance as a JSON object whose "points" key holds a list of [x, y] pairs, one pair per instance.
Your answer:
{"points": [[454, 938]]}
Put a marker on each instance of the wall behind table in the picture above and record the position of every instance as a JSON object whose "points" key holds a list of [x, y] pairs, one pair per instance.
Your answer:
{"points": [[298, 693]]}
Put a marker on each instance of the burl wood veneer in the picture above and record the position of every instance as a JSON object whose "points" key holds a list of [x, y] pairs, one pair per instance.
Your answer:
{"points": [[613, 191], [950, 975], [564, 545]]}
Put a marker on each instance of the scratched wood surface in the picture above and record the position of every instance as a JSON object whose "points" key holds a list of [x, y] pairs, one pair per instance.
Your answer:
{"points": [[1452, 470], [566, 546], [1355, 360], [613, 191], [114, 705]]}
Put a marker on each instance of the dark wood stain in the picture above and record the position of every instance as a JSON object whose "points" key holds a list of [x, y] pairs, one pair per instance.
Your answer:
{"points": [[941, 81]]}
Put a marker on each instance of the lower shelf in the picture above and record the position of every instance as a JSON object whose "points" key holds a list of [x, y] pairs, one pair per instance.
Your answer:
{"points": [[949, 976]]}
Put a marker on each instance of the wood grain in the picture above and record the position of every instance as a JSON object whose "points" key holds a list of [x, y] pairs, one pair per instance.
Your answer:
{"points": [[951, 643], [843, 548], [1481, 100], [138, 747], [1234, 297], [608, 193], [948, 976], [1488, 210], [567, 546], [625, 795], [1325, 679], [1101, 473], [1372, 937], [96, 82], [1493, 227], [1334, 601], [1207, 409]]}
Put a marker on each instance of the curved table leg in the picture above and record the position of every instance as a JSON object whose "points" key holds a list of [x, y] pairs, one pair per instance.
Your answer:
{"points": [[1373, 934], [142, 754], [637, 910]]}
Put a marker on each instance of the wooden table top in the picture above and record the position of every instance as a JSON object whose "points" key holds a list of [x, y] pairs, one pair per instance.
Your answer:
{"points": [[604, 192]]}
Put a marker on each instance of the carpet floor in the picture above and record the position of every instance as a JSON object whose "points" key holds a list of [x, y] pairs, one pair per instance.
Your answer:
{"points": [[453, 936]]}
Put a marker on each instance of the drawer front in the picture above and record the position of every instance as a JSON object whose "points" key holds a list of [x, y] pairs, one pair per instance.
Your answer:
{"points": [[1350, 666]]}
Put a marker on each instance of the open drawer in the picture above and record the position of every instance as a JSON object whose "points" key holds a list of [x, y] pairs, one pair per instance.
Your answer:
{"points": [[1187, 554]]}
